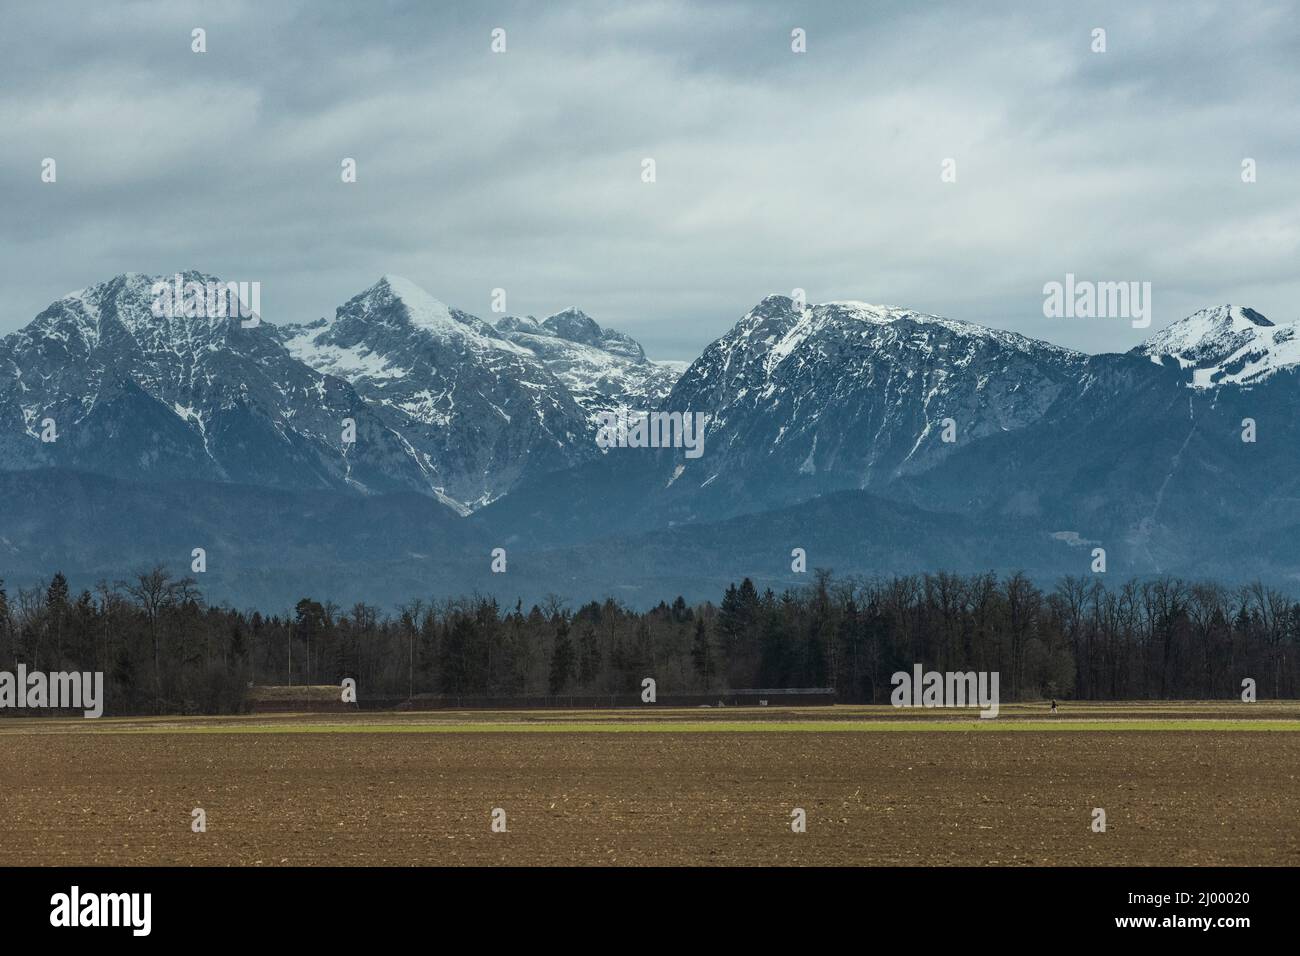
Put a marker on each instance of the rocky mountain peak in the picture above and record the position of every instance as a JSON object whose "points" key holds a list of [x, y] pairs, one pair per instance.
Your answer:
{"points": [[1224, 344]]}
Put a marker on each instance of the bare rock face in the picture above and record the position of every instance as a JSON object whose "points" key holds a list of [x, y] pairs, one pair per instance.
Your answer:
{"points": [[477, 412], [875, 437], [137, 395]]}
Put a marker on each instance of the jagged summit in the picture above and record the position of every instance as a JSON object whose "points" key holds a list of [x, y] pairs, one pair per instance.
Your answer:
{"points": [[482, 405], [520, 323], [422, 309], [1225, 345], [851, 394], [399, 302], [477, 411], [798, 400], [603, 368], [125, 304], [775, 324], [143, 392], [574, 325]]}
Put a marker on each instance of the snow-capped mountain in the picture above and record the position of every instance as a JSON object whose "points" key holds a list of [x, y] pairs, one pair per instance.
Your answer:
{"points": [[798, 402], [135, 394], [477, 411], [443, 402], [574, 325], [603, 369], [1069, 450], [847, 403], [1225, 345], [852, 395]]}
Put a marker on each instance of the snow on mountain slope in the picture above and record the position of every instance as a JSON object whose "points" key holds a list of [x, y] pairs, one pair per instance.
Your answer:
{"points": [[444, 402], [798, 401], [478, 411], [367, 337], [603, 369], [848, 394], [137, 394], [1225, 345], [575, 325]]}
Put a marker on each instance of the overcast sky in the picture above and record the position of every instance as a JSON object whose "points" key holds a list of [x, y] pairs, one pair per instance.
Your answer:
{"points": [[775, 170]]}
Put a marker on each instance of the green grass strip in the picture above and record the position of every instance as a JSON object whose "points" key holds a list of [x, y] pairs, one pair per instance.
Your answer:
{"points": [[731, 727]]}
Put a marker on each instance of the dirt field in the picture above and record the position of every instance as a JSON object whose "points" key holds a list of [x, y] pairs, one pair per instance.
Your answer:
{"points": [[1180, 784]]}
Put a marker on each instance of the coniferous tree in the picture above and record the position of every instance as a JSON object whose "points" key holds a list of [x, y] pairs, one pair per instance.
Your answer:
{"points": [[702, 653], [561, 659]]}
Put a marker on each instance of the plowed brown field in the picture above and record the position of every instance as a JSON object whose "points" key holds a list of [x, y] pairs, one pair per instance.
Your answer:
{"points": [[415, 789]]}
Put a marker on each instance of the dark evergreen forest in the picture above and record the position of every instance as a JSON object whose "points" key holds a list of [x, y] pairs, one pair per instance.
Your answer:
{"points": [[164, 650]]}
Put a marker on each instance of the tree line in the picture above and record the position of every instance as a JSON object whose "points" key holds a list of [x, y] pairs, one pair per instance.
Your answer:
{"points": [[163, 649]]}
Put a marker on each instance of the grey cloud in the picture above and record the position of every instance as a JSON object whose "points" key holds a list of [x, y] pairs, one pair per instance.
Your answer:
{"points": [[774, 170]]}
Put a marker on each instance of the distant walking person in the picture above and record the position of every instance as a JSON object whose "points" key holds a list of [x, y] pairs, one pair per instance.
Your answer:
{"points": [[1053, 706]]}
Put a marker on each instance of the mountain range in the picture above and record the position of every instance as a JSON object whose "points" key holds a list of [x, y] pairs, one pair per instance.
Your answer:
{"points": [[384, 452]]}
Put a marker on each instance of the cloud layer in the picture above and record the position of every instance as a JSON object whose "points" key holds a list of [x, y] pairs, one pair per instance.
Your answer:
{"points": [[775, 170]]}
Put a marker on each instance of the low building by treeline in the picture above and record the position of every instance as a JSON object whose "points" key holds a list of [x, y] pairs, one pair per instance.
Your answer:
{"points": [[162, 649]]}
